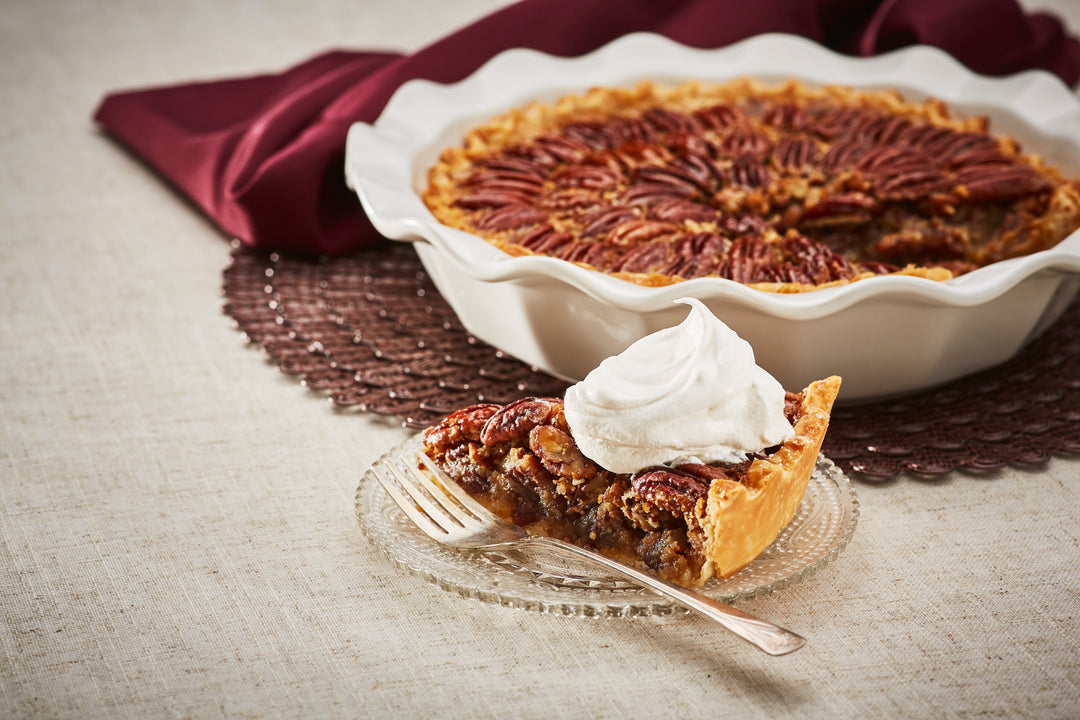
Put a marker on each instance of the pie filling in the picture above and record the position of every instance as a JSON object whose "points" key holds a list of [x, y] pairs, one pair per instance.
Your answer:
{"points": [[786, 188], [687, 523]]}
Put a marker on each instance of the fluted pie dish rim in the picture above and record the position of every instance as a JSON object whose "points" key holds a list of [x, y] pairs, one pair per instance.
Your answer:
{"points": [[885, 335]]}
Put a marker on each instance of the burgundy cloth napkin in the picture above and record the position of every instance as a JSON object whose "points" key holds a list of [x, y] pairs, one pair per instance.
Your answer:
{"points": [[263, 156]]}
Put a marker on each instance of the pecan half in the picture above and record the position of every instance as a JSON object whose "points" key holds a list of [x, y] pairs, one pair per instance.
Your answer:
{"points": [[978, 156], [559, 454], [652, 193], [911, 184], [592, 177], [511, 217], [492, 198], [596, 135], [677, 210], [464, 425], [512, 180], [749, 171], [923, 136], [699, 170], [892, 160], [596, 253], [606, 159], [807, 260], [748, 260], [746, 143], [637, 152], [995, 183], [634, 232], [669, 121], [708, 473], [675, 176], [720, 117], [844, 154], [605, 218], [632, 130], [669, 489], [702, 244], [831, 122], [786, 115], [926, 245], [878, 268], [881, 130], [690, 267], [841, 209], [522, 168], [518, 418], [643, 258], [532, 155], [688, 143], [736, 225], [947, 145], [545, 239], [570, 200], [795, 152], [564, 149]]}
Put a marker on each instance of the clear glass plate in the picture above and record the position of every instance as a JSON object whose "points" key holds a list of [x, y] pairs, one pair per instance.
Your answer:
{"points": [[544, 581]]}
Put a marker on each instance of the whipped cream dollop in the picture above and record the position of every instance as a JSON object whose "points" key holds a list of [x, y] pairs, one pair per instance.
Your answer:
{"points": [[692, 392]]}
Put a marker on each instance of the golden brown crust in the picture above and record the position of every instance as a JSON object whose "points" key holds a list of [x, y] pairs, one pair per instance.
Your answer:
{"points": [[743, 519]]}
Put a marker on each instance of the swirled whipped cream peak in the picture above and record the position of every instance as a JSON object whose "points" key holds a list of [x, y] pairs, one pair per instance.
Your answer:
{"points": [[692, 392]]}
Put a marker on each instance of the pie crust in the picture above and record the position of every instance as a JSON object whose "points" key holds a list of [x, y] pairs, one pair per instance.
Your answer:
{"points": [[785, 188], [687, 523]]}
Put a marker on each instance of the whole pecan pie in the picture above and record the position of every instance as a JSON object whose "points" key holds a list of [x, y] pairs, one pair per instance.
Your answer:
{"points": [[786, 188], [687, 522]]}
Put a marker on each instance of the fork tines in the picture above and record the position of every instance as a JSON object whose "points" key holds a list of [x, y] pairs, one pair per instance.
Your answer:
{"points": [[439, 507]]}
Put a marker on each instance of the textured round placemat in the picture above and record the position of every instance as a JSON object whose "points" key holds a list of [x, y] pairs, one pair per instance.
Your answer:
{"points": [[372, 332]]}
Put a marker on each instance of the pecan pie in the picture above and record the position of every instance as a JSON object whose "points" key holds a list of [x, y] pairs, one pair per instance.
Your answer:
{"points": [[786, 188], [688, 522]]}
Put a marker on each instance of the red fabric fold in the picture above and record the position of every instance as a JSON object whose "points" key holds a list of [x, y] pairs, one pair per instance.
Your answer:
{"points": [[263, 156]]}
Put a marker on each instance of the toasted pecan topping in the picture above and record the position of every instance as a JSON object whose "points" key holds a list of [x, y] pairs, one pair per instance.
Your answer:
{"points": [[796, 188]]}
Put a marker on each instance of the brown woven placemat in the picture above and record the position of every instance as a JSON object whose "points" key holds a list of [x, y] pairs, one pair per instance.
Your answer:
{"points": [[373, 333]]}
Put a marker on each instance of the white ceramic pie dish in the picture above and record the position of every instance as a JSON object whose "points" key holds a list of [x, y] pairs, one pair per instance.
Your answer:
{"points": [[886, 335]]}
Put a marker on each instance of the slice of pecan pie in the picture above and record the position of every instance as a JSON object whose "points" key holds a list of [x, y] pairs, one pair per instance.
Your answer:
{"points": [[786, 188], [688, 522]]}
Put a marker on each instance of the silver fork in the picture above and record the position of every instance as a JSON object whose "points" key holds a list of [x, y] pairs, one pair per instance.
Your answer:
{"points": [[451, 516]]}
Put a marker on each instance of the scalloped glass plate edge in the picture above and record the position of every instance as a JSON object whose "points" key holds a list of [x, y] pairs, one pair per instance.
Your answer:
{"points": [[546, 582]]}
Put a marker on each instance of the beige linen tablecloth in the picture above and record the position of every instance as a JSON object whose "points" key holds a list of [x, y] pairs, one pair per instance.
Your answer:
{"points": [[177, 535]]}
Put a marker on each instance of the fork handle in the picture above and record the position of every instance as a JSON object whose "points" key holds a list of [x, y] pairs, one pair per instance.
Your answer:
{"points": [[771, 638]]}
